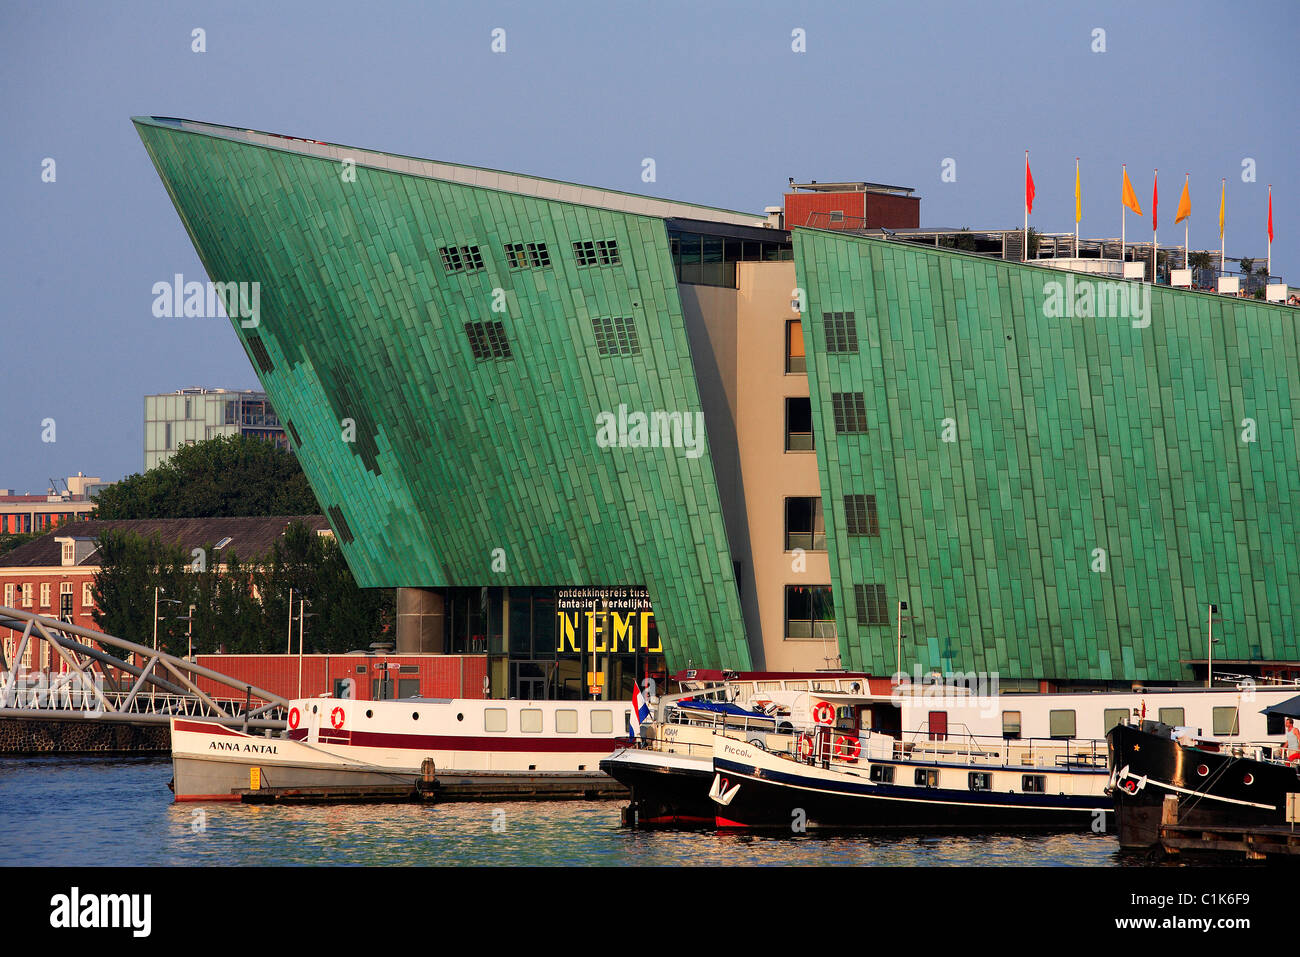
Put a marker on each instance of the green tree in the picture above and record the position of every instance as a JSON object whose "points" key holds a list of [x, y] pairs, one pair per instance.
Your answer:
{"points": [[231, 475]]}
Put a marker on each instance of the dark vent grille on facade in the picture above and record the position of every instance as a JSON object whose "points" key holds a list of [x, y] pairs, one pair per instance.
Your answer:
{"points": [[488, 340], [860, 516], [461, 258], [341, 524], [870, 600], [841, 332], [263, 358], [520, 255], [850, 409], [616, 337]]}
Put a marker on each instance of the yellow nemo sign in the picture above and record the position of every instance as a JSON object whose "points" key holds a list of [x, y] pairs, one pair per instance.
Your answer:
{"points": [[606, 633]]}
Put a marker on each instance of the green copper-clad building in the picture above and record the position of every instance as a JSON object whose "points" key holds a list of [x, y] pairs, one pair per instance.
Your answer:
{"points": [[593, 434]]}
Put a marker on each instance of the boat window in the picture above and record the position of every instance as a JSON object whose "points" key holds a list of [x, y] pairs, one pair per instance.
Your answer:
{"points": [[530, 721], [566, 721], [1060, 724], [494, 720], [602, 722], [927, 777], [1225, 720], [882, 773], [981, 781], [1010, 724], [1112, 717], [1174, 717], [1033, 783]]}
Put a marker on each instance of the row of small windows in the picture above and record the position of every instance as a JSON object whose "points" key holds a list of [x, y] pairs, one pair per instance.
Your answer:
{"points": [[975, 780], [805, 526], [525, 255], [487, 340], [461, 258], [26, 590], [496, 721], [849, 410], [615, 336], [600, 252]]}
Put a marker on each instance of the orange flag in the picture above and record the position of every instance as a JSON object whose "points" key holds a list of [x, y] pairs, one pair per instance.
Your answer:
{"points": [[1129, 198], [1184, 206]]}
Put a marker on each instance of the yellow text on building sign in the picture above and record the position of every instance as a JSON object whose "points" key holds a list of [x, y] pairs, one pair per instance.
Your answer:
{"points": [[606, 633]]}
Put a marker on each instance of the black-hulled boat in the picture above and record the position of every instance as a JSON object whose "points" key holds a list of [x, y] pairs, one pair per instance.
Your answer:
{"points": [[1217, 785], [972, 789]]}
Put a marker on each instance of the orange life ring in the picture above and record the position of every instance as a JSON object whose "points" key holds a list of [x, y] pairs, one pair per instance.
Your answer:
{"points": [[805, 746], [294, 718], [847, 748], [823, 713], [336, 719]]}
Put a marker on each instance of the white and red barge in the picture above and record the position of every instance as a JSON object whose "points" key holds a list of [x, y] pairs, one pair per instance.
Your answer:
{"points": [[343, 742]]}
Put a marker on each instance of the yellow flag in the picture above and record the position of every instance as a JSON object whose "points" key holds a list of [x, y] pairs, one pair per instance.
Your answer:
{"points": [[1130, 198], [1184, 205], [1078, 195], [1223, 196]]}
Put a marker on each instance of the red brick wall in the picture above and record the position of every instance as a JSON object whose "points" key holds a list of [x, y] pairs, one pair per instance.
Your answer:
{"points": [[877, 209], [441, 676]]}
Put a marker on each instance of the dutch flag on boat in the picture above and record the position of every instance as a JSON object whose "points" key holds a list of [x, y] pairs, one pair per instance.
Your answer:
{"points": [[640, 712]]}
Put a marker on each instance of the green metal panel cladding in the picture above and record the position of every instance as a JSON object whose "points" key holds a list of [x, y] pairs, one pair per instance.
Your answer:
{"points": [[1106, 479], [362, 330]]}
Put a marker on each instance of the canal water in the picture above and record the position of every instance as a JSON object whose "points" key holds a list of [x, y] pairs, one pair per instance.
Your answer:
{"points": [[82, 812]]}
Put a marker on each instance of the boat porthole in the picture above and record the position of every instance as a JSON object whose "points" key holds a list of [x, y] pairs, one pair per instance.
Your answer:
{"points": [[1202, 770], [1248, 779], [313, 709], [460, 717], [370, 714], [415, 716]]}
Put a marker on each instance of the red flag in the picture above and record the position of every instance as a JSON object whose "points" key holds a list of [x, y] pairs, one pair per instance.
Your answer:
{"points": [[1029, 187], [1270, 214], [1155, 197]]}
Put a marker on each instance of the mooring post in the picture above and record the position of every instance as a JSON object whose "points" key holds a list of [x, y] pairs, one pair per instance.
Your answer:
{"points": [[1169, 811]]}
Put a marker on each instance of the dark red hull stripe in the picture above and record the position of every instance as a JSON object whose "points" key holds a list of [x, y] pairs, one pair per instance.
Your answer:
{"points": [[435, 742]]}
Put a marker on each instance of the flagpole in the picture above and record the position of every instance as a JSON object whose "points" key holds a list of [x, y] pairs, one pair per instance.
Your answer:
{"points": [[1223, 198], [1187, 249], [1270, 234], [1026, 251], [1155, 219], [1077, 212], [1123, 216]]}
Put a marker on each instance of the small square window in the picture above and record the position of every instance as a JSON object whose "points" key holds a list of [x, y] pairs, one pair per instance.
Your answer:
{"points": [[1011, 725], [487, 340], [616, 336], [516, 257], [1033, 783], [841, 332], [602, 722], [980, 781], [1174, 717], [585, 253], [607, 249], [530, 721], [494, 720], [451, 260], [871, 606], [860, 516], [927, 777], [566, 722], [882, 773], [1225, 721], [850, 410], [1061, 724], [538, 257], [1111, 717]]}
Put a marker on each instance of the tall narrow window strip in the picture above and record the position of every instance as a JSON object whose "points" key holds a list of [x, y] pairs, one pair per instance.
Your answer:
{"points": [[850, 412], [841, 332], [870, 602]]}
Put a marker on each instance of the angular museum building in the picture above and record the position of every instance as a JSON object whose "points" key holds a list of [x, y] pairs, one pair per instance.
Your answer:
{"points": [[591, 432]]}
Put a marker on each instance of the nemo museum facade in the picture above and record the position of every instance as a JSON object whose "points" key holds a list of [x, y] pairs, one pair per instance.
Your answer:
{"points": [[587, 432]]}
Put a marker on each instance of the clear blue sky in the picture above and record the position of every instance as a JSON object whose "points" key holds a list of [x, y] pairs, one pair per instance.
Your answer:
{"points": [[712, 91]]}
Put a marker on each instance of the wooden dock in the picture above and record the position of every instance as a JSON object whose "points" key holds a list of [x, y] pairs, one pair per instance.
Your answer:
{"points": [[448, 788], [1258, 843]]}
